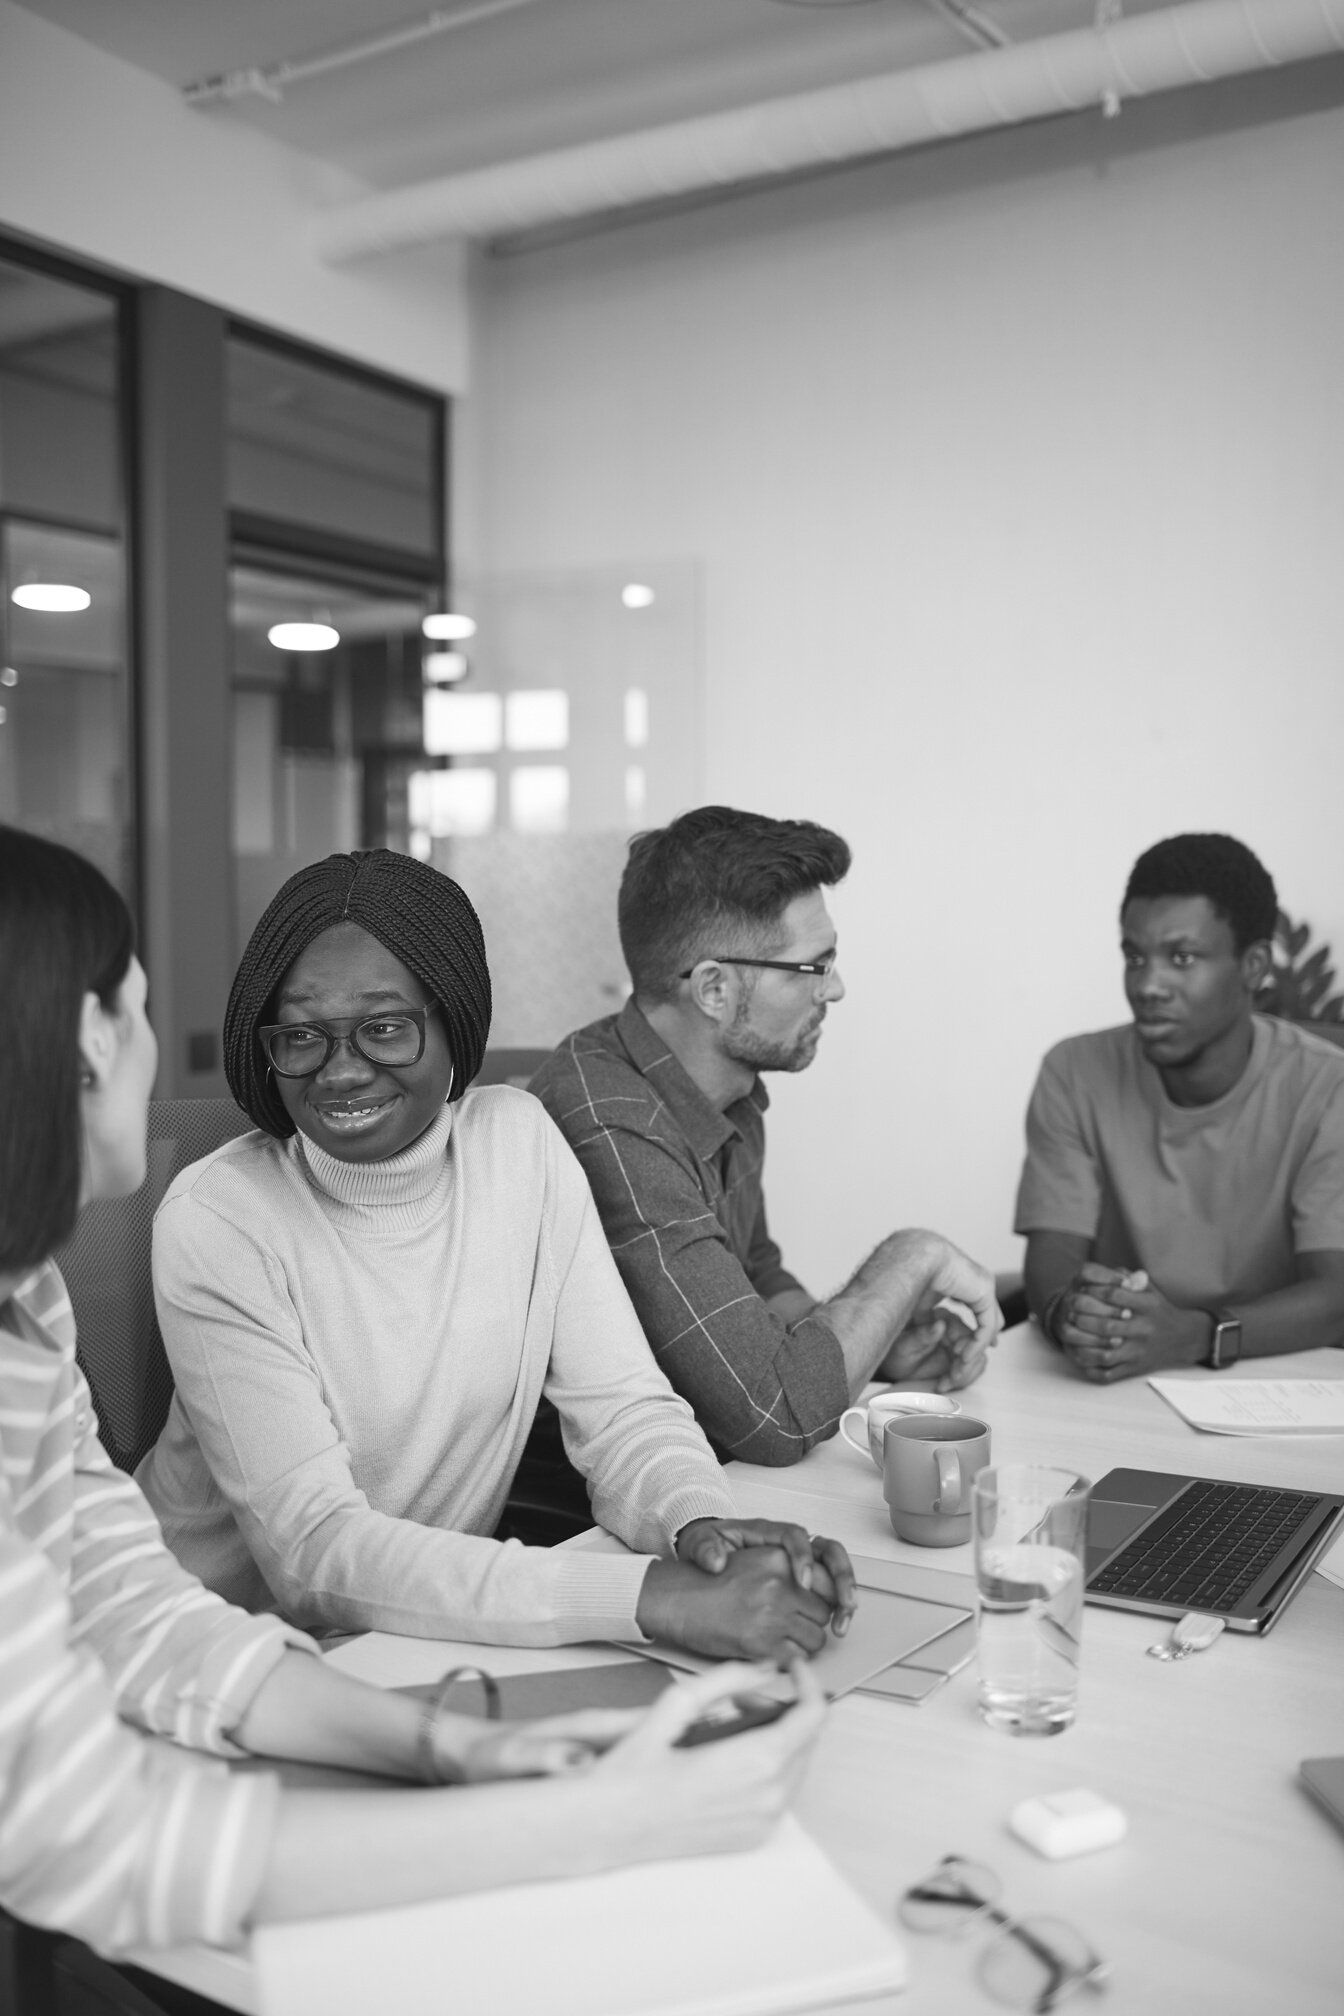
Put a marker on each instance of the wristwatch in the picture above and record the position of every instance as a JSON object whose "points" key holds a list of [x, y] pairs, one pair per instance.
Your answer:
{"points": [[1225, 1344]]}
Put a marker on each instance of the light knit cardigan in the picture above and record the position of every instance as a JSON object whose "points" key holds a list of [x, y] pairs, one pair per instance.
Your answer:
{"points": [[359, 1349]]}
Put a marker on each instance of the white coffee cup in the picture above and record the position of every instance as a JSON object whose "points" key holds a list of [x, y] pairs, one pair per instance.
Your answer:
{"points": [[884, 1407]]}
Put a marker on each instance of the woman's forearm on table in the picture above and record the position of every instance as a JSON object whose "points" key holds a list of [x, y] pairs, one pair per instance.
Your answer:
{"points": [[364, 1851]]}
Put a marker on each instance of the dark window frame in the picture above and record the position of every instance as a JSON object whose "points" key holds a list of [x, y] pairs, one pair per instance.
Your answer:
{"points": [[18, 249], [312, 545]]}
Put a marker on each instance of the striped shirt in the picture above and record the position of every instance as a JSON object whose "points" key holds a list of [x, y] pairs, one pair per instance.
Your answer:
{"points": [[678, 1189], [104, 1834]]}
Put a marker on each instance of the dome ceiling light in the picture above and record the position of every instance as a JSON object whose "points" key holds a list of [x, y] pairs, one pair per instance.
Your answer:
{"points": [[449, 628], [53, 598], [303, 636]]}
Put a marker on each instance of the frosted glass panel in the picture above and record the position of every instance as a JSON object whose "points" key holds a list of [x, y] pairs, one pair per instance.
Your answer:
{"points": [[538, 720], [462, 724], [448, 802], [636, 717], [544, 879], [539, 799]]}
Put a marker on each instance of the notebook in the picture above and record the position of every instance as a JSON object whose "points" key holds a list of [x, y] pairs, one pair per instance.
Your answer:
{"points": [[885, 1628], [774, 1929], [1257, 1406], [1166, 1544]]}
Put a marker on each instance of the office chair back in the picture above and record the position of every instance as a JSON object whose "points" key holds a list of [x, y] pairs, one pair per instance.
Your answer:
{"points": [[510, 1067], [106, 1268]]}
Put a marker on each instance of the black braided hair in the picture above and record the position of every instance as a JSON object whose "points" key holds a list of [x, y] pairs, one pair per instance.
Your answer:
{"points": [[422, 917], [1238, 886]]}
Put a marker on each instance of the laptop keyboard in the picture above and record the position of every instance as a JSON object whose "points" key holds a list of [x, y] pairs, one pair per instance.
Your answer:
{"points": [[1206, 1550]]}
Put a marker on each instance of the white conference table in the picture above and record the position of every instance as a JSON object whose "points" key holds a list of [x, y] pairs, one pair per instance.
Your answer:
{"points": [[1227, 1894]]}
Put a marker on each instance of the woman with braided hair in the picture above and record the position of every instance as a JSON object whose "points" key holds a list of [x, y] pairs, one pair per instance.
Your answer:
{"points": [[364, 1301], [106, 1641]]}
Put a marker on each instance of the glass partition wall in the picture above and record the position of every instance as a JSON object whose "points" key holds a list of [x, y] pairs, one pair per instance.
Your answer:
{"points": [[65, 695], [569, 719], [239, 677], [335, 488]]}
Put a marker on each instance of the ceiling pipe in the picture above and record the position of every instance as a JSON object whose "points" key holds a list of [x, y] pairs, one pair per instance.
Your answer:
{"points": [[1193, 42], [275, 79]]}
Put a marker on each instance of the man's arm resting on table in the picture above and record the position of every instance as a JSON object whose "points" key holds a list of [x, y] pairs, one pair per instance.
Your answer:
{"points": [[1114, 1326], [894, 1285], [1053, 1263]]}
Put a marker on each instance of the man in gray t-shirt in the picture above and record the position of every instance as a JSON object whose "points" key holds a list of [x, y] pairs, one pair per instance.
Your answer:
{"points": [[1183, 1192]]}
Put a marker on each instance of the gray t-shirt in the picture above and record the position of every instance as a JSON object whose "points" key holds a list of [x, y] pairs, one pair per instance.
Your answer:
{"points": [[1214, 1201]]}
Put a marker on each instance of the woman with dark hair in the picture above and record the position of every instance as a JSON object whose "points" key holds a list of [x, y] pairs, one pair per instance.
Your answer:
{"points": [[364, 1301], [106, 1640]]}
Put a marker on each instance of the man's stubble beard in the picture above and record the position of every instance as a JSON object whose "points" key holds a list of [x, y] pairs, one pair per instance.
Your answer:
{"points": [[745, 1046]]}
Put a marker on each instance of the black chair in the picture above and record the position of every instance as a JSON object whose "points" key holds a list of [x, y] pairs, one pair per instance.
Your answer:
{"points": [[510, 1067], [48, 1974], [106, 1268], [549, 1499], [1012, 1297]]}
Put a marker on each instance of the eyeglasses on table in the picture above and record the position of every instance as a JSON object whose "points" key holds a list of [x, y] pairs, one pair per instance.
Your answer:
{"points": [[1031, 1963]]}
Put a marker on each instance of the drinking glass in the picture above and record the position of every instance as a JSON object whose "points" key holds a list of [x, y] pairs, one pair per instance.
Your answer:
{"points": [[1030, 1529]]}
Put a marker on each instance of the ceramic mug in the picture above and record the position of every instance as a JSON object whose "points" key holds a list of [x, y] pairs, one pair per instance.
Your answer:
{"points": [[928, 1468], [884, 1407]]}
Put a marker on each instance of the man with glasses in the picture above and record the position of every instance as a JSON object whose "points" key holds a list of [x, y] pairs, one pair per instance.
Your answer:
{"points": [[732, 955]]}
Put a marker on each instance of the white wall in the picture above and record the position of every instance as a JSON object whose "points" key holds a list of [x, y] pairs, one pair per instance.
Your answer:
{"points": [[1015, 470], [103, 160]]}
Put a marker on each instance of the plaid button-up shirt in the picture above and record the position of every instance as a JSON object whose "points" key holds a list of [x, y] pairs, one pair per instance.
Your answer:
{"points": [[678, 1188]]}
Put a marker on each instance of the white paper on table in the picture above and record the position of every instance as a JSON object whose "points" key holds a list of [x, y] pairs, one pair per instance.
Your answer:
{"points": [[1257, 1406], [775, 1929]]}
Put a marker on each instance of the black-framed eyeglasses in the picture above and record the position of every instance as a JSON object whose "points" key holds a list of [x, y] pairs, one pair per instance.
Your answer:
{"points": [[1031, 1963], [300, 1049], [819, 968]]}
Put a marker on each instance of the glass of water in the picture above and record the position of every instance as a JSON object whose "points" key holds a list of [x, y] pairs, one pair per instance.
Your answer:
{"points": [[1030, 1527]]}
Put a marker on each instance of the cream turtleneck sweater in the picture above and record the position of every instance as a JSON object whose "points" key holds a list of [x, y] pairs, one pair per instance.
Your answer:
{"points": [[359, 1349]]}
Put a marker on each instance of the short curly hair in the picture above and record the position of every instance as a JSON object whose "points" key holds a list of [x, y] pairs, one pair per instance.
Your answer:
{"points": [[1239, 887], [422, 917], [715, 874]]}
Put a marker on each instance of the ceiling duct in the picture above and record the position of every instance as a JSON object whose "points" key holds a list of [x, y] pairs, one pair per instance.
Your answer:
{"points": [[1193, 42]]}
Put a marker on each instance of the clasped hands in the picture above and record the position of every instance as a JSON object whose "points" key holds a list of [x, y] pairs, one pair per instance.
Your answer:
{"points": [[937, 1346], [1114, 1325], [748, 1589]]}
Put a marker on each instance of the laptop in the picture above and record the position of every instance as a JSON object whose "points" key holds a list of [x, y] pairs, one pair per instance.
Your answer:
{"points": [[1166, 1544]]}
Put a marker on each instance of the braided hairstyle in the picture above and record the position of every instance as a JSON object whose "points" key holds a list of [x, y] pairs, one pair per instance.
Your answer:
{"points": [[421, 917]]}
